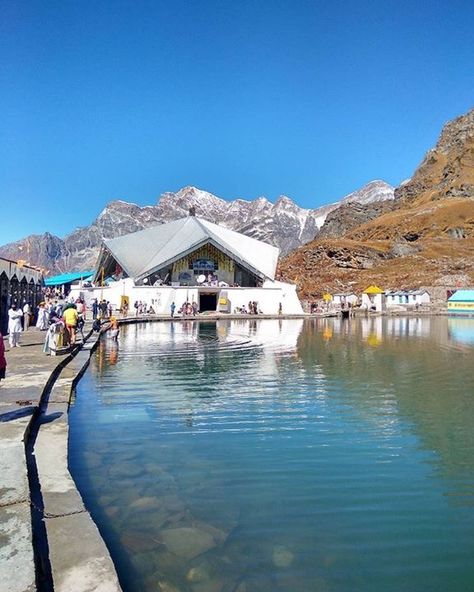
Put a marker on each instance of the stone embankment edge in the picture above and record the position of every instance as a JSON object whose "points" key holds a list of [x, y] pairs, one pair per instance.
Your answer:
{"points": [[131, 320], [78, 556]]}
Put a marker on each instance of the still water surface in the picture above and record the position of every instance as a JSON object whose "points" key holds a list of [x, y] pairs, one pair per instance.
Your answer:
{"points": [[277, 455]]}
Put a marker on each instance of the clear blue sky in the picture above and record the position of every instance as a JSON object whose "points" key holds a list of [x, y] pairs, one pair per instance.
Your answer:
{"points": [[125, 100]]}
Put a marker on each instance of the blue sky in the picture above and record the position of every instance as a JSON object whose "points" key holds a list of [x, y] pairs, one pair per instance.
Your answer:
{"points": [[126, 100]]}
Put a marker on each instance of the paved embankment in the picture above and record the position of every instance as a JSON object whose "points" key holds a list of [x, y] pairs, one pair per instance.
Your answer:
{"points": [[69, 552]]}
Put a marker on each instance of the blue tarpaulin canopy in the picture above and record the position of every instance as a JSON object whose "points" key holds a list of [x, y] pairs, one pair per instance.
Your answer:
{"points": [[67, 278]]}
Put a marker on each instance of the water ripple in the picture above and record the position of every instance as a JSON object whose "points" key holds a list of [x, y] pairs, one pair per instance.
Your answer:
{"points": [[318, 456]]}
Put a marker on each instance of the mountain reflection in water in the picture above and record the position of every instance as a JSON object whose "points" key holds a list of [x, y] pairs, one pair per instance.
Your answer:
{"points": [[282, 455]]}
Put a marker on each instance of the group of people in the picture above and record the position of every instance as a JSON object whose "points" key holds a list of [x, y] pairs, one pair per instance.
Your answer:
{"points": [[61, 320], [52, 292], [143, 308], [101, 310], [64, 321], [187, 309], [252, 309], [49, 312]]}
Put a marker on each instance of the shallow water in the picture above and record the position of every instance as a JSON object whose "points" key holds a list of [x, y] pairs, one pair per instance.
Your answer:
{"points": [[248, 456]]}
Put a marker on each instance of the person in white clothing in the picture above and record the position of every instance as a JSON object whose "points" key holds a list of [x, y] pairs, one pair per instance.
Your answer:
{"points": [[14, 325], [42, 322], [26, 316]]}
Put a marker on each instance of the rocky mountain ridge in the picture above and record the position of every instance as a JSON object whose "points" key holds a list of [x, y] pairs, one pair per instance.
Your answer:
{"points": [[424, 237], [447, 171], [283, 224]]}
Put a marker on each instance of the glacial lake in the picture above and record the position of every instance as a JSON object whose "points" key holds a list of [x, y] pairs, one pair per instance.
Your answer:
{"points": [[322, 455]]}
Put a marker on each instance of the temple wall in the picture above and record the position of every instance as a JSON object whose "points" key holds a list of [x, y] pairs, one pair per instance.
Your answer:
{"points": [[160, 298]]}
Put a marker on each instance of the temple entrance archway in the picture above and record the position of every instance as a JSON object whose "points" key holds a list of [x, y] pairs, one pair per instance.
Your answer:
{"points": [[207, 301]]}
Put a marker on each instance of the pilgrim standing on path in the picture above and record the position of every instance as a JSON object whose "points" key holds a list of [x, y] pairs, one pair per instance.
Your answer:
{"points": [[81, 308], [14, 325], [71, 318], [3, 360], [42, 322], [103, 309], [26, 316]]}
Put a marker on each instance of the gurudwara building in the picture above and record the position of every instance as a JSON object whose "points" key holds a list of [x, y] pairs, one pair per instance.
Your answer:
{"points": [[188, 260]]}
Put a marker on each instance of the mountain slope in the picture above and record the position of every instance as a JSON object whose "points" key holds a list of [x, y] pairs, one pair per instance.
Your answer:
{"points": [[424, 237]]}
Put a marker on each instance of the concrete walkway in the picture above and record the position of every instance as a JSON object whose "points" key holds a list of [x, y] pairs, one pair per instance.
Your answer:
{"points": [[77, 556]]}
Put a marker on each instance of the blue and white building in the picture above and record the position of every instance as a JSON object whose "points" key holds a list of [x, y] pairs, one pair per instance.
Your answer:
{"points": [[461, 303]]}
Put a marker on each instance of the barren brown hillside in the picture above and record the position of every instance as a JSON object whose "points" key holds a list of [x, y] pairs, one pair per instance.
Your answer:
{"points": [[426, 239], [340, 265], [440, 218]]}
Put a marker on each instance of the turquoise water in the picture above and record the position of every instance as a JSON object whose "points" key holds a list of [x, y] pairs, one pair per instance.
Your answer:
{"points": [[248, 456]]}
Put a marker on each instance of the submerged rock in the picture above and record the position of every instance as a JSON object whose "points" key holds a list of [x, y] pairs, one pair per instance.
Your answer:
{"points": [[107, 500], [148, 522], [125, 470], [178, 517], [216, 533], [139, 542], [154, 468], [144, 563], [172, 503], [127, 455], [164, 586], [282, 557], [146, 503], [169, 562], [112, 511], [209, 586], [93, 460], [197, 574], [187, 542]]}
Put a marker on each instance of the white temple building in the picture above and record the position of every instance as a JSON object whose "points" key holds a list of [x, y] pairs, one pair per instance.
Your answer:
{"points": [[188, 260]]}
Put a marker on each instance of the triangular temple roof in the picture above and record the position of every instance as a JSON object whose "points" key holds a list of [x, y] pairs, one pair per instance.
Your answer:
{"points": [[373, 290], [143, 252]]}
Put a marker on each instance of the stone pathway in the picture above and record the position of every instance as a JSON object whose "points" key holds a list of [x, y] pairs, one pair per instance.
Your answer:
{"points": [[78, 556]]}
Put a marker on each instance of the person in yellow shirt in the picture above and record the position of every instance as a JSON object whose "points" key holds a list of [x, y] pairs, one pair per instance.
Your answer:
{"points": [[70, 318]]}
